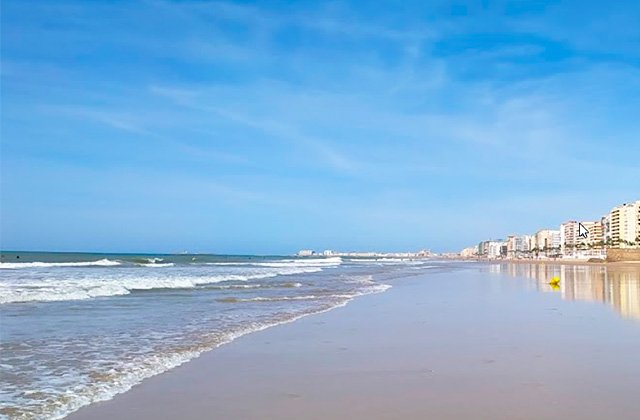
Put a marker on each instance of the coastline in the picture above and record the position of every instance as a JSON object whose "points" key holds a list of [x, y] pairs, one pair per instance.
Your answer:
{"points": [[436, 345], [551, 261]]}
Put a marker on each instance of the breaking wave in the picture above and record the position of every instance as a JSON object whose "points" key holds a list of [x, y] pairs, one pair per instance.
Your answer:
{"points": [[102, 263], [80, 289], [310, 262]]}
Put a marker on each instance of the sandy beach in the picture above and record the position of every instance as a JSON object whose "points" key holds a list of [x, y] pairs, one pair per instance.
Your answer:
{"points": [[448, 344]]}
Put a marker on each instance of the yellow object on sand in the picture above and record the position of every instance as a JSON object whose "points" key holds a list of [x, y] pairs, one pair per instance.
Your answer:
{"points": [[554, 281]]}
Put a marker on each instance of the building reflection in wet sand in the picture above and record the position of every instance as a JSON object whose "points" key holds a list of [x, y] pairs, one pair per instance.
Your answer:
{"points": [[618, 286]]}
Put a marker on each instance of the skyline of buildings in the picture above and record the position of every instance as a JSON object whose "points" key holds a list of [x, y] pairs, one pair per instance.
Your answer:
{"points": [[364, 254], [619, 228]]}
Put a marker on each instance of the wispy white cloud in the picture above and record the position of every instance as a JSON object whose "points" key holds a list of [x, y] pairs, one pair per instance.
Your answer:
{"points": [[315, 147], [147, 129], [323, 18], [118, 120]]}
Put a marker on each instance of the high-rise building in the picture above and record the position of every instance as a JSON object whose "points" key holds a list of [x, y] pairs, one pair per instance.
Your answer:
{"points": [[469, 252], [533, 246], [546, 242], [595, 236], [483, 248], [571, 242], [568, 237], [605, 221], [497, 249], [517, 246], [623, 228]]}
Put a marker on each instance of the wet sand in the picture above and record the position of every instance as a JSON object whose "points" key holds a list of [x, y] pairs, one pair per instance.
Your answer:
{"points": [[474, 343], [613, 264]]}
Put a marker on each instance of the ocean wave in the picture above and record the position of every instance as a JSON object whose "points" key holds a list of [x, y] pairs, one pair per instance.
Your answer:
{"points": [[358, 279], [102, 263], [255, 286], [157, 264], [368, 290], [275, 298], [389, 260], [125, 374], [80, 289], [310, 262], [123, 379]]}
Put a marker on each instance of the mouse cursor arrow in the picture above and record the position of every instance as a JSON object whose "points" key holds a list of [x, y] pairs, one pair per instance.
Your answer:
{"points": [[583, 232]]}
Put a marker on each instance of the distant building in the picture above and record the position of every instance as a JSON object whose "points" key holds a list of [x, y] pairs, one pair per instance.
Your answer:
{"points": [[533, 246], [496, 249], [518, 246], [568, 237], [596, 236], [623, 226], [492, 249], [605, 221], [572, 244], [511, 246], [483, 248], [546, 243], [619, 228], [305, 253], [424, 253], [470, 252]]}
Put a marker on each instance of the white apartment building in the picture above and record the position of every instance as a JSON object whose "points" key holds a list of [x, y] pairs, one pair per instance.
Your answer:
{"points": [[496, 249], [571, 243], [546, 242], [623, 225], [576, 247], [568, 236], [605, 221], [517, 246], [470, 252]]}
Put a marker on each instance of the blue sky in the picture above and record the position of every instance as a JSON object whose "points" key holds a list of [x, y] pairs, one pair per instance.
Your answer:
{"points": [[272, 126]]}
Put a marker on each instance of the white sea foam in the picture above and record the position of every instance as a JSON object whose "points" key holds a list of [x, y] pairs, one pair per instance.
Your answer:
{"points": [[157, 264], [53, 289], [368, 290], [145, 367], [361, 279], [389, 260], [308, 262], [278, 298], [103, 263], [255, 286]]}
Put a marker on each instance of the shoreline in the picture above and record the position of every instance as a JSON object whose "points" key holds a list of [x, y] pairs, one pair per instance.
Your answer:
{"points": [[557, 262], [436, 345], [227, 341]]}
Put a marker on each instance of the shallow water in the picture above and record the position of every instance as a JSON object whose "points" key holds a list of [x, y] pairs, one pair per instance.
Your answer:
{"points": [[463, 341], [80, 328]]}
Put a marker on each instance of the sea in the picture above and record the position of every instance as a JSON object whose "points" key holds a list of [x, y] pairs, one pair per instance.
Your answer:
{"points": [[77, 328]]}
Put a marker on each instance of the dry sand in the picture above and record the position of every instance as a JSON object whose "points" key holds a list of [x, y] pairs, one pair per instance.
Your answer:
{"points": [[465, 344]]}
